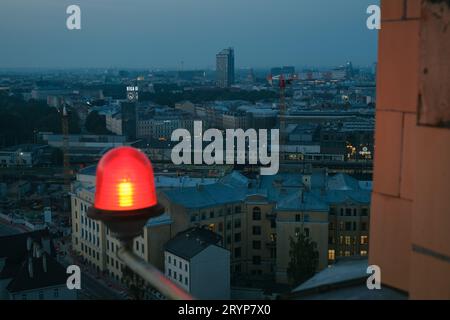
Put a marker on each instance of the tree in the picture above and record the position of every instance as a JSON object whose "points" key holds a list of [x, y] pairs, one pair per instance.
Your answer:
{"points": [[304, 258]]}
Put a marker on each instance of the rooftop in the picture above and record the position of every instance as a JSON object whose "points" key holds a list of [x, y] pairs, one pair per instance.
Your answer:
{"points": [[189, 243]]}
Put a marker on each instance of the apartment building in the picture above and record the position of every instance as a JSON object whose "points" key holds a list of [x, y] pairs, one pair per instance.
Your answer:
{"points": [[196, 261], [257, 217]]}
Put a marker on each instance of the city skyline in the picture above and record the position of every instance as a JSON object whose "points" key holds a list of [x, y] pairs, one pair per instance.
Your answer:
{"points": [[299, 33]]}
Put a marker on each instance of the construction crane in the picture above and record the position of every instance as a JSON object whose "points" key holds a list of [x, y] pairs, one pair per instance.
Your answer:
{"points": [[282, 83], [65, 146]]}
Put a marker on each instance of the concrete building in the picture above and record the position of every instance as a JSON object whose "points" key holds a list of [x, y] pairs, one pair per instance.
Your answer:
{"points": [[410, 220], [196, 261], [225, 68]]}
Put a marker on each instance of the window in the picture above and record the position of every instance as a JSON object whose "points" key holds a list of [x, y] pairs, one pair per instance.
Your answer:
{"points": [[237, 223], [354, 212], [363, 226], [331, 255], [237, 209], [331, 226], [256, 230], [181, 265], [169, 272], [348, 226], [364, 212], [257, 260], [186, 281], [354, 226], [347, 240], [211, 214], [348, 212], [256, 245], [347, 253], [186, 267], [306, 231], [169, 259], [332, 211], [228, 225], [342, 212], [364, 239], [363, 253], [174, 262], [256, 213], [330, 240], [180, 278], [237, 252], [203, 216], [174, 274], [237, 237], [297, 218]]}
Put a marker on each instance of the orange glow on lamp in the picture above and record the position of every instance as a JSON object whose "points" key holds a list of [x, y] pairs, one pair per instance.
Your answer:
{"points": [[125, 195]]}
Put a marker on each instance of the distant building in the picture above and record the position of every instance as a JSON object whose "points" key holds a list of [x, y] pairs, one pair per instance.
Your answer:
{"points": [[129, 118], [196, 261], [225, 68], [286, 71], [23, 155], [29, 271]]}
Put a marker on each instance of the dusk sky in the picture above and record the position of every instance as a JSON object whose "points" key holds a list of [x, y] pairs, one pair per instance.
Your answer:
{"points": [[162, 33]]}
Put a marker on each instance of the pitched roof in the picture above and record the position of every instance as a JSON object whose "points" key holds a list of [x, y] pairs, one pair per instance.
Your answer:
{"points": [[55, 275], [189, 243]]}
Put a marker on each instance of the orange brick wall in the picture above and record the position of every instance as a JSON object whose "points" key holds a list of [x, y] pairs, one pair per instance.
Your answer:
{"points": [[410, 216]]}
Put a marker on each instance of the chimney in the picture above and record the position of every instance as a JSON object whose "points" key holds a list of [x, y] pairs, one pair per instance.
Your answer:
{"points": [[30, 267]]}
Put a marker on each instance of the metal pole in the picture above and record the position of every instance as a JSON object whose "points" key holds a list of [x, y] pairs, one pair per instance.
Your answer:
{"points": [[152, 275]]}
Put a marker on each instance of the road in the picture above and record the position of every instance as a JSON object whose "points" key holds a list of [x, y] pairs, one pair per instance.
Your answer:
{"points": [[92, 289]]}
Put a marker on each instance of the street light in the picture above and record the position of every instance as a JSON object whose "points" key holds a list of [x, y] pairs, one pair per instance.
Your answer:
{"points": [[125, 199]]}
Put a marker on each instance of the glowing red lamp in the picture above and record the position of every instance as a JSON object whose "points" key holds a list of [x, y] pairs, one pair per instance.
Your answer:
{"points": [[125, 195]]}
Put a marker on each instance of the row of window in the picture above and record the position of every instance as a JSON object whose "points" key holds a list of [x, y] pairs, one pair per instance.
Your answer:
{"points": [[212, 214], [349, 226], [113, 262], [89, 223], [180, 263], [88, 236], [178, 277], [364, 212], [346, 253], [90, 252], [349, 240]]}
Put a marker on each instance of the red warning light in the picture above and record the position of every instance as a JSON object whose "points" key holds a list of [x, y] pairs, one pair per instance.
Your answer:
{"points": [[125, 195], [124, 181]]}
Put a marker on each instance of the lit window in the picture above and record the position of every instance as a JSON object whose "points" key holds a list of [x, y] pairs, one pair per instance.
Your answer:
{"points": [[331, 255], [364, 239], [347, 240], [363, 253]]}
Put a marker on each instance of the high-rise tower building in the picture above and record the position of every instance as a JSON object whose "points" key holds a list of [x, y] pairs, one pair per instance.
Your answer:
{"points": [[225, 68]]}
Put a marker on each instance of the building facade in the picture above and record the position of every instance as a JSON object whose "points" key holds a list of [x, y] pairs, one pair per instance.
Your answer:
{"points": [[225, 68]]}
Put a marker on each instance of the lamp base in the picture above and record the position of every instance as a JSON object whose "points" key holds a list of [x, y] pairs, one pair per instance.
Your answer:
{"points": [[125, 225]]}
